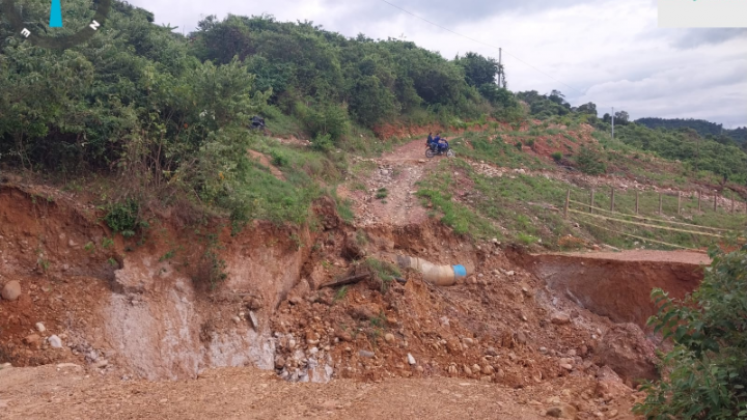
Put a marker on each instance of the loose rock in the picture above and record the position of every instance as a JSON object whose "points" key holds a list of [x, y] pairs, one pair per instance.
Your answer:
{"points": [[560, 319], [11, 290], [410, 359], [55, 342], [562, 411], [34, 341], [40, 327], [366, 353]]}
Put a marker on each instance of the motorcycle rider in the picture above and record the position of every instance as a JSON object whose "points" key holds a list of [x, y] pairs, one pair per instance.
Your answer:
{"points": [[442, 144]]}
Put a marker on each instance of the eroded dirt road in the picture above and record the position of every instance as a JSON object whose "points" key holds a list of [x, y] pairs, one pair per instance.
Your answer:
{"points": [[684, 257], [241, 393], [395, 177]]}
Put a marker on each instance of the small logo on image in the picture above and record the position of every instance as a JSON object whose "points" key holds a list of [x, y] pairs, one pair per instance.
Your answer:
{"points": [[702, 13], [58, 34]]}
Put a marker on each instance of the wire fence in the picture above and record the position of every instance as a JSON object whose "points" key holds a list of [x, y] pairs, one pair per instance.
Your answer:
{"points": [[684, 217]]}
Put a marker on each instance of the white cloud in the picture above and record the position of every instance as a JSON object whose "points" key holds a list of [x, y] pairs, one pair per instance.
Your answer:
{"points": [[610, 52]]}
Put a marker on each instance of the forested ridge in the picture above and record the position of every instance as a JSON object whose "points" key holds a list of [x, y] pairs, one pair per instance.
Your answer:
{"points": [[703, 127]]}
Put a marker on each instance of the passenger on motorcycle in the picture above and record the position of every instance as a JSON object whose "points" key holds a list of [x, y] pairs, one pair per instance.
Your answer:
{"points": [[442, 144]]}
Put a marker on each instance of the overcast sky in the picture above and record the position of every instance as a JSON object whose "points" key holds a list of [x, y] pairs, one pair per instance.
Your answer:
{"points": [[608, 52]]}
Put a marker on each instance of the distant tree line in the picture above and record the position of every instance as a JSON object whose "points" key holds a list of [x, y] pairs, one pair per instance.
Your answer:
{"points": [[703, 127], [705, 150]]}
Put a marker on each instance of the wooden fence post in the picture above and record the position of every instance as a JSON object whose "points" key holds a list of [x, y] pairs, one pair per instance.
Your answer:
{"points": [[612, 199], [661, 202], [591, 206], [732, 205], [715, 202], [567, 204], [636, 202], [679, 202], [698, 200]]}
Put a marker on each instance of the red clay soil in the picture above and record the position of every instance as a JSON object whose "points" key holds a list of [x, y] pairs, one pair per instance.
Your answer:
{"points": [[618, 285], [545, 145]]}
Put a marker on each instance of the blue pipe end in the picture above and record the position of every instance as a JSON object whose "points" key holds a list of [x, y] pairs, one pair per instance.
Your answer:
{"points": [[460, 271]]}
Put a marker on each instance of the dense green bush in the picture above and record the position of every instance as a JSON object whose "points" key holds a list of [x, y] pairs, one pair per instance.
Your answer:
{"points": [[124, 217], [706, 372], [590, 161]]}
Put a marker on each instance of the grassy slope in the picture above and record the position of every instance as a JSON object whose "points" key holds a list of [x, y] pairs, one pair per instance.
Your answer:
{"points": [[517, 208], [528, 209]]}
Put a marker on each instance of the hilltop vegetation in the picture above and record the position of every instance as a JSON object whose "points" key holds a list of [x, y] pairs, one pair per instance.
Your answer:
{"points": [[305, 66], [171, 113]]}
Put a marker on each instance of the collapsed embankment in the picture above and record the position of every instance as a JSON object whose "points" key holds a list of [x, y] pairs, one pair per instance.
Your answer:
{"points": [[182, 296], [152, 307], [619, 285]]}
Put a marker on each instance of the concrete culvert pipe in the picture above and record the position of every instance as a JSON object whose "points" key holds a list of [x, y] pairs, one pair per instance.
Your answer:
{"points": [[440, 275]]}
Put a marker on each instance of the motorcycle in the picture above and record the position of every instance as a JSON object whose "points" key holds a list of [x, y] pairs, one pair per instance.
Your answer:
{"points": [[435, 149]]}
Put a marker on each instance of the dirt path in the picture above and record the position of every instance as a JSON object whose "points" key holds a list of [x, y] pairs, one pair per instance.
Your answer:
{"points": [[242, 393], [684, 257], [395, 176]]}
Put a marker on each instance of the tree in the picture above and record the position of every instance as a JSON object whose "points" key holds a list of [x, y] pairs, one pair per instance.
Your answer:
{"points": [[558, 97], [706, 372], [622, 118], [588, 108], [478, 70]]}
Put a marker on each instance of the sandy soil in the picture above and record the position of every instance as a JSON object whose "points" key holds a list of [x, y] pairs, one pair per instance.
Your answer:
{"points": [[240, 393]]}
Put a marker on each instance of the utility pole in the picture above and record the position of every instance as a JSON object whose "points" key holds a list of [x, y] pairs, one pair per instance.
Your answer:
{"points": [[613, 123], [500, 67]]}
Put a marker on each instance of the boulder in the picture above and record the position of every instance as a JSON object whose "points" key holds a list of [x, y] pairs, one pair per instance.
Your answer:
{"points": [[627, 351]]}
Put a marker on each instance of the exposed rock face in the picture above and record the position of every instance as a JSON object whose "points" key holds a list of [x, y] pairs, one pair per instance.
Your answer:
{"points": [[626, 350]]}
